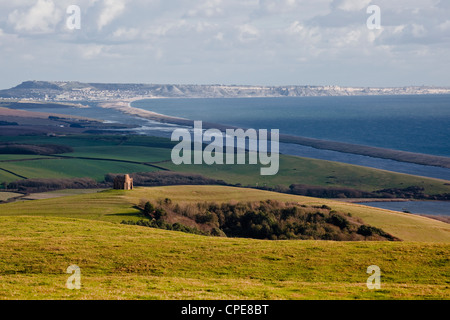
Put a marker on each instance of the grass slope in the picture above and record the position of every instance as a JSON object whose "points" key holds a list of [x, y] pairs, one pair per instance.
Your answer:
{"points": [[131, 262], [115, 206]]}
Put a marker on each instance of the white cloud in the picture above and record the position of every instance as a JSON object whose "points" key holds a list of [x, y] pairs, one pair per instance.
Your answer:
{"points": [[111, 10], [169, 28], [208, 8], [276, 6], [91, 51], [219, 36], [445, 25], [40, 18], [418, 30], [248, 33], [128, 34], [352, 5]]}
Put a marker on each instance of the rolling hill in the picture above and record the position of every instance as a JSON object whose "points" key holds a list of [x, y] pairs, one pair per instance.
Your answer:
{"points": [[39, 239]]}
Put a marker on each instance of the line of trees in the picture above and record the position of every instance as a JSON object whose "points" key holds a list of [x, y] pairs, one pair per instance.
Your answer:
{"points": [[411, 192], [149, 179], [167, 178], [43, 185]]}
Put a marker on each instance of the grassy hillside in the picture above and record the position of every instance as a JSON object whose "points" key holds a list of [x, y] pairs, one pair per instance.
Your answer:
{"points": [[115, 206], [131, 262], [39, 239]]}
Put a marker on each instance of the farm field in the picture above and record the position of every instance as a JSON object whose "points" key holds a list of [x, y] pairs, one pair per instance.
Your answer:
{"points": [[71, 168], [128, 154]]}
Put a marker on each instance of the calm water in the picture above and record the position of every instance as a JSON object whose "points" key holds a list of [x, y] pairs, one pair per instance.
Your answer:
{"points": [[410, 123], [419, 207]]}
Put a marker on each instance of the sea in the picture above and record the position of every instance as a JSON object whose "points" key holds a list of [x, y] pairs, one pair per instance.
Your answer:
{"points": [[409, 123]]}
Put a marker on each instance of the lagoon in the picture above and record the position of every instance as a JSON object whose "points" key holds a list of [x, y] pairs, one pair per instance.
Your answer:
{"points": [[440, 208]]}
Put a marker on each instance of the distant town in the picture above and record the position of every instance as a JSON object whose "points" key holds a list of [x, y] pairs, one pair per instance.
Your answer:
{"points": [[76, 91]]}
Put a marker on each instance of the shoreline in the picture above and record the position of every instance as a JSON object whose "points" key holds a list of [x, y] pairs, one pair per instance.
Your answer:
{"points": [[375, 152]]}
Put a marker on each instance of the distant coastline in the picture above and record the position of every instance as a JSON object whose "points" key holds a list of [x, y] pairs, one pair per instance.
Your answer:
{"points": [[376, 152], [78, 91]]}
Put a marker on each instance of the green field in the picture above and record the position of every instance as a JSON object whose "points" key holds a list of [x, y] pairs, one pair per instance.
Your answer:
{"points": [[142, 149], [85, 146], [7, 177], [6, 157], [72, 168], [129, 153]]}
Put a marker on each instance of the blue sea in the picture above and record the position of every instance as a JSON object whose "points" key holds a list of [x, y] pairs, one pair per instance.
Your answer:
{"points": [[409, 123]]}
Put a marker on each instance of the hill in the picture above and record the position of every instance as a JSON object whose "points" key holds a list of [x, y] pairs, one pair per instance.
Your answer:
{"points": [[116, 205], [132, 262], [40, 239]]}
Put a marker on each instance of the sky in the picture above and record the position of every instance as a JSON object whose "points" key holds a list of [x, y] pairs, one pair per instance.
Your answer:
{"points": [[246, 42]]}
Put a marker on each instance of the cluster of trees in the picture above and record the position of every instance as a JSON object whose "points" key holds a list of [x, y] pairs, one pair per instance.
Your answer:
{"points": [[269, 219]]}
